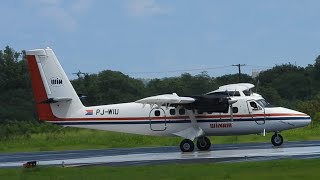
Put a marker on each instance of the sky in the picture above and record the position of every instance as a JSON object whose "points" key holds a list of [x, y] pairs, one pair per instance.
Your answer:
{"points": [[164, 38]]}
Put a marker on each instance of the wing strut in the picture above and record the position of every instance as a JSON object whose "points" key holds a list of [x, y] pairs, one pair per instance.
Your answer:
{"points": [[192, 132], [231, 102]]}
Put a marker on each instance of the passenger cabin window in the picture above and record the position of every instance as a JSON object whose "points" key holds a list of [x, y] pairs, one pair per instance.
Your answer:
{"points": [[157, 113], [200, 112], [182, 111], [235, 110], [172, 112]]}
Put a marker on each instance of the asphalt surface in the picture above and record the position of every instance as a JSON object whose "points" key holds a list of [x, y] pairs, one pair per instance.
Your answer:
{"points": [[160, 155]]}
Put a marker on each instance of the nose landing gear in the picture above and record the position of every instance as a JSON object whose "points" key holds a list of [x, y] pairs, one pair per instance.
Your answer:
{"points": [[277, 139], [203, 144]]}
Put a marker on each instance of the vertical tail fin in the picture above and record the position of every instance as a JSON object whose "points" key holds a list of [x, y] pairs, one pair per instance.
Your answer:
{"points": [[53, 92]]}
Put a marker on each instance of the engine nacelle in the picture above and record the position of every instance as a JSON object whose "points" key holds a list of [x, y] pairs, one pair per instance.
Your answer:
{"points": [[209, 103]]}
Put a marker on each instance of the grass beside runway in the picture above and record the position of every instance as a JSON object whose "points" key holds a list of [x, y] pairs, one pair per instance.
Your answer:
{"points": [[74, 139], [278, 169]]}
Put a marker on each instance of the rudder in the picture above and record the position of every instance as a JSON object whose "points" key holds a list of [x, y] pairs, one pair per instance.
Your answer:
{"points": [[54, 94]]}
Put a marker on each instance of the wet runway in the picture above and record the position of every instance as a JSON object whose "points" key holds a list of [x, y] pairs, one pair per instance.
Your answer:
{"points": [[159, 155]]}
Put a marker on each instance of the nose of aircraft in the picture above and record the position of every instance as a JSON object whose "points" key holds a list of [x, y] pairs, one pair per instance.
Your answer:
{"points": [[300, 119]]}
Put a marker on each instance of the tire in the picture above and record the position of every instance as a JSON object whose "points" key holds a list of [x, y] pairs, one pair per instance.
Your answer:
{"points": [[203, 143], [277, 140], [187, 145]]}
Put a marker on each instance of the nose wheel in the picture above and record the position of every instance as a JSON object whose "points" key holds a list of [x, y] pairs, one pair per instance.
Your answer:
{"points": [[277, 139]]}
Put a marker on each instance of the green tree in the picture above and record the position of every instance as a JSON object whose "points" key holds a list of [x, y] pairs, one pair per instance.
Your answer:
{"points": [[108, 87], [233, 78], [16, 99], [291, 82], [183, 85]]}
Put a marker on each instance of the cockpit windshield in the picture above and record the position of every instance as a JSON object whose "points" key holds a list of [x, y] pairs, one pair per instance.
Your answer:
{"points": [[263, 103], [227, 93]]}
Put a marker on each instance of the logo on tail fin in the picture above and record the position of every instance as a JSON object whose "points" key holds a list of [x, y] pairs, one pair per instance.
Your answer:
{"points": [[56, 81]]}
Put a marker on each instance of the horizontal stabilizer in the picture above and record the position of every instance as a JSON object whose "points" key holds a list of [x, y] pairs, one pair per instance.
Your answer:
{"points": [[166, 99], [55, 100]]}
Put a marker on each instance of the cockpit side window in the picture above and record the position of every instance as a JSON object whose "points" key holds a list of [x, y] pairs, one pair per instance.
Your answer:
{"points": [[254, 105]]}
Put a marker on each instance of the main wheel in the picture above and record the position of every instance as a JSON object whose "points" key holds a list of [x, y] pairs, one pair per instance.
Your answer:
{"points": [[187, 145], [203, 143], [277, 140]]}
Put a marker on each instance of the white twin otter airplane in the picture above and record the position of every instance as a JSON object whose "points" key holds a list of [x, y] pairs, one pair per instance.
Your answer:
{"points": [[230, 110]]}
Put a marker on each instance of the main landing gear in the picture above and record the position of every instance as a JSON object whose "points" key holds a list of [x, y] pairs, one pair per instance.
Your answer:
{"points": [[203, 144], [277, 139]]}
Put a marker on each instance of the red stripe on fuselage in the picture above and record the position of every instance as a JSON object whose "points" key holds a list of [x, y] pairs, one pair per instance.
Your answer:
{"points": [[249, 116], [174, 117]]}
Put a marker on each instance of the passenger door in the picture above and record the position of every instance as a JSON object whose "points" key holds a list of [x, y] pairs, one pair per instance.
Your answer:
{"points": [[157, 119]]}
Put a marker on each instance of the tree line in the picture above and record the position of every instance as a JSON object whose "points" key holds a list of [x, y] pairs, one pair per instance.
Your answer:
{"points": [[283, 85]]}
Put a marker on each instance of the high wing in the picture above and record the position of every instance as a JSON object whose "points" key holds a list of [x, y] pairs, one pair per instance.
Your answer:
{"points": [[201, 103], [166, 99]]}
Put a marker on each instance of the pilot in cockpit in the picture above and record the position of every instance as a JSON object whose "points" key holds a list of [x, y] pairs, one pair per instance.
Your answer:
{"points": [[254, 106]]}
